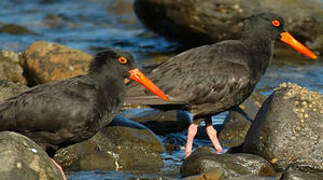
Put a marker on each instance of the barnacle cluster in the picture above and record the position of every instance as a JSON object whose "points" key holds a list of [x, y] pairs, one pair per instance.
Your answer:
{"points": [[305, 102]]}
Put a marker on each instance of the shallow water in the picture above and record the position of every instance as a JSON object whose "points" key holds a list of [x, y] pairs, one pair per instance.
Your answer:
{"points": [[92, 25]]}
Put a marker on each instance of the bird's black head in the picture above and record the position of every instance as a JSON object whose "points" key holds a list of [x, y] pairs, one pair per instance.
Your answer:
{"points": [[115, 65], [266, 25], [111, 60], [269, 27]]}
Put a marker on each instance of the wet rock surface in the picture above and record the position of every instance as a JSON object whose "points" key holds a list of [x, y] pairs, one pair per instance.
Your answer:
{"points": [[161, 122], [250, 177], [236, 125], [21, 158], [215, 174], [9, 89], [44, 62], [288, 128], [101, 24], [205, 159], [201, 21], [10, 69], [302, 172], [121, 146], [116, 175]]}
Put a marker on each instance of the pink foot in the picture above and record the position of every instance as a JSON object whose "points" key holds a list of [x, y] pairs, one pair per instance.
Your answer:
{"points": [[192, 130], [60, 169], [211, 132]]}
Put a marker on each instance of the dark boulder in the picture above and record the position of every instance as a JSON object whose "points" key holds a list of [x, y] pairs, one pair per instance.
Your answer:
{"points": [[288, 128], [205, 159], [21, 158]]}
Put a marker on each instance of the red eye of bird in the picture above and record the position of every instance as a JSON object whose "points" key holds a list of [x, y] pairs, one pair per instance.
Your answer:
{"points": [[122, 60], [275, 23]]}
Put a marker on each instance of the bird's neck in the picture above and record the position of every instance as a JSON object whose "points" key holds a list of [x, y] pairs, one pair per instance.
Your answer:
{"points": [[261, 51], [110, 85]]}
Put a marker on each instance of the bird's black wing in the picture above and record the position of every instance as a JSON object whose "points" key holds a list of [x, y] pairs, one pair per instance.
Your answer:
{"points": [[200, 75], [48, 107]]}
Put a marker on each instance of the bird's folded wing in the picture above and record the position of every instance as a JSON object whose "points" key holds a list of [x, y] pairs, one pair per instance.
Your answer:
{"points": [[193, 77], [44, 107]]}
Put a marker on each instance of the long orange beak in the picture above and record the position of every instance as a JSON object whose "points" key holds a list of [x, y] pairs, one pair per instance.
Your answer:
{"points": [[137, 75], [287, 38]]}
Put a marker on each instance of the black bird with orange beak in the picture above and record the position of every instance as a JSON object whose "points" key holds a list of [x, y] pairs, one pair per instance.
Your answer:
{"points": [[61, 113], [214, 78]]}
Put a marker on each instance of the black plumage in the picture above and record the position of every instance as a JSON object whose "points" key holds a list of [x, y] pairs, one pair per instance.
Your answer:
{"points": [[61, 113]]}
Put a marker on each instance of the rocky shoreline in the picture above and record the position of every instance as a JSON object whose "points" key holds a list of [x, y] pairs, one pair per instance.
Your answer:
{"points": [[282, 143]]}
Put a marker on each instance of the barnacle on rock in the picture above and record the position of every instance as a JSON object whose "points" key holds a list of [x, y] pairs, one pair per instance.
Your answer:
{"points": [[305, 101]]}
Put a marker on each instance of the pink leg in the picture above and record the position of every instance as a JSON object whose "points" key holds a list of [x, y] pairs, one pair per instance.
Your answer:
{"points": [[211, 132], [60, 169], [192, 130]]}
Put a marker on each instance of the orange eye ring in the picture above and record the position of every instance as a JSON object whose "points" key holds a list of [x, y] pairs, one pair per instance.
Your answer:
{"points": [[122, 60], [275, 23]]}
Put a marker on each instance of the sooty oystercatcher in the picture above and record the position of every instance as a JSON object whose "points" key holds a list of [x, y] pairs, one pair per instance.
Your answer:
{"points": [[61, 113], [214, 78]]}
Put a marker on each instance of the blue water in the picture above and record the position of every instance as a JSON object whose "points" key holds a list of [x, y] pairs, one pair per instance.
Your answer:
{"points": [[92, 25], [86, 25]]}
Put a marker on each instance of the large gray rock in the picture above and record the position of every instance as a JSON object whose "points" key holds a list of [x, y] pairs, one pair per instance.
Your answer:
{"points": [[21, 158], [122, 146], [205, 21], [288, 128], [205, 159]]}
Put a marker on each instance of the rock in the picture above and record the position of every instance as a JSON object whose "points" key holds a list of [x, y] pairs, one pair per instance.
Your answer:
{"points": [[121, 146], [205, 159], [122, 7], [215, 174], [250, 177], [16, 30], [116, 175], [58, 21], [21, 158], [317, 44], [204, 21], [161, 122], [174, 142], [288, 128], [95, 161], [44, 62], [301, 172], [10, 69], [9, 89], [236, 125]]}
